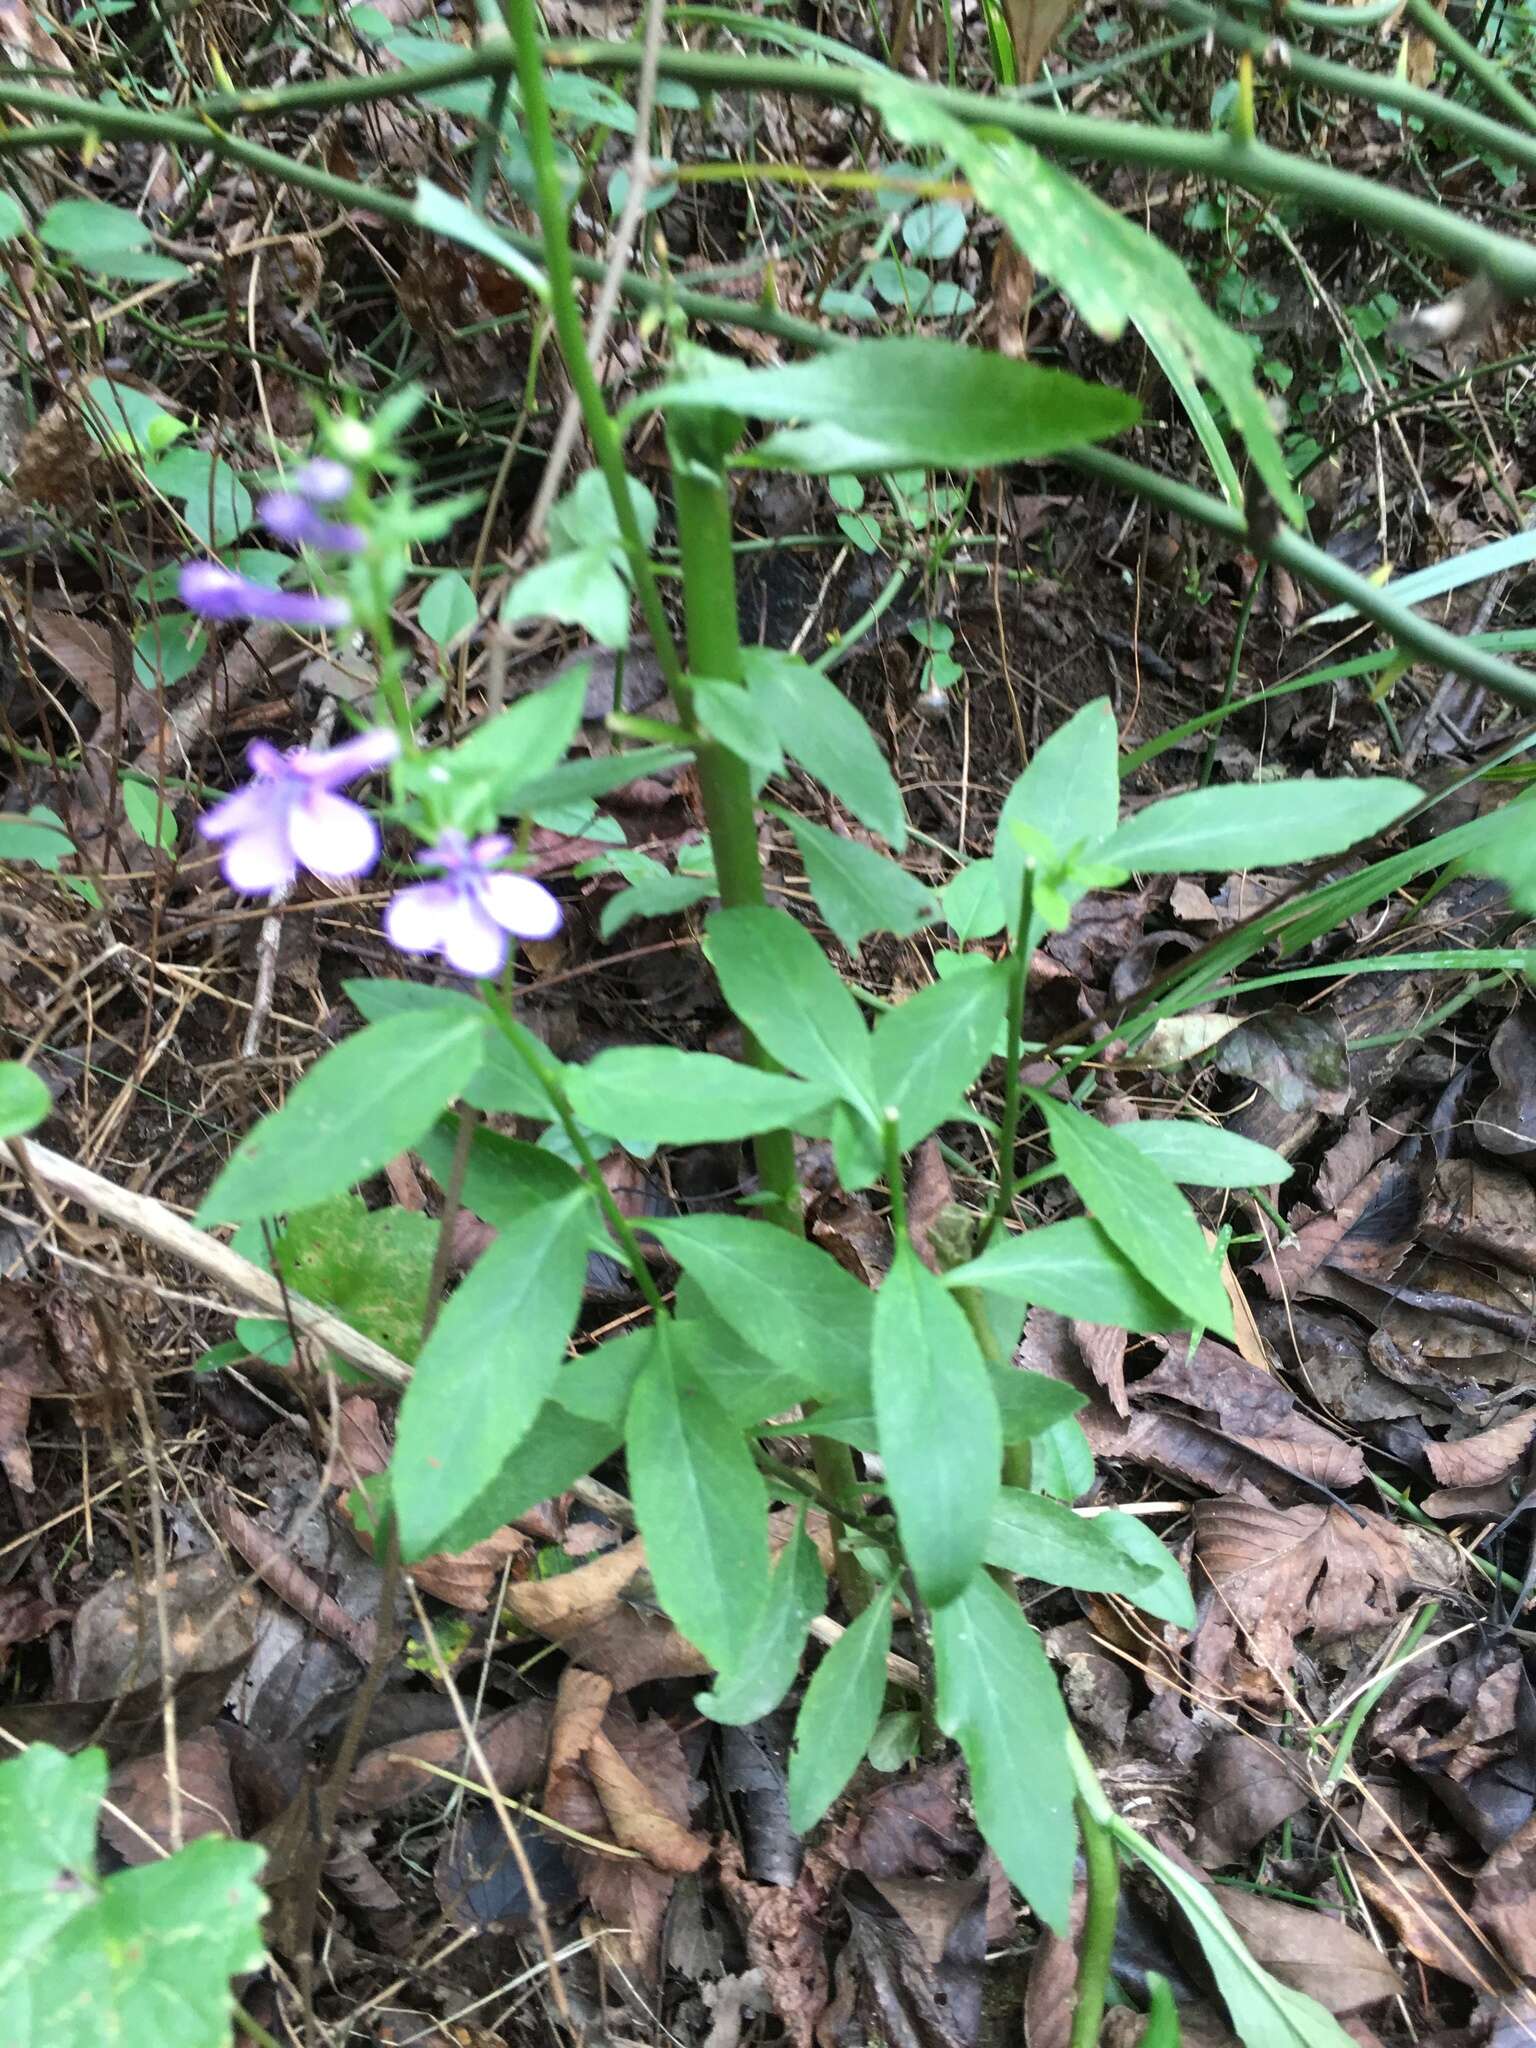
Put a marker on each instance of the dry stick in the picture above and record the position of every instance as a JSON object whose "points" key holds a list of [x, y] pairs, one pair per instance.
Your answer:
{"points": [[154, 1220]]}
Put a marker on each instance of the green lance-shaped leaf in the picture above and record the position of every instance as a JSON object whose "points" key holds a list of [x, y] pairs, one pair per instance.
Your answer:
{"points": [[491, 1361], [785, 1297], [1075, 1269], [930, 1048], [940, 1434], [649, 1095], [857, 890], [1138, 1206], [366, 1102], [483, 777], [1099, 1553], [819, 728], [788, 994], [1110, 269], [1255, 824], [145, 1955], [903, 403], [700, 1505], [766, 1668], [1264, 2012], [997, 1697], [838, 1714], [1200, 1155], [1069, 794]]}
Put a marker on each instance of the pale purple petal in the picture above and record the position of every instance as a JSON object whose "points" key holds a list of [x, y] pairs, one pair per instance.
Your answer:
{"points": [[414, 919], [265, 759], [323, 480], [471, 941], [211, 590], [259, 862], [332, 836], [492, 848], [363, 754], [251, 809], [288, 517], [522, 906]]}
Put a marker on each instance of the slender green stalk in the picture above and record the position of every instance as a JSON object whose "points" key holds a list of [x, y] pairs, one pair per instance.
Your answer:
{"points": [[1018, 984], [1485, 72], [565, 311], [623, 1230], [895, 1180], [1420, 636], [1373, 1692], [1097, 1942], [1349, 81]]}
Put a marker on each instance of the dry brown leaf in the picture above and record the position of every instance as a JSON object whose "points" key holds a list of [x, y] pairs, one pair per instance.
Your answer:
{"points": [[1247, 1788], [782, 1928], [1367, 1236], [513, 1743], [587, 1614], [1504, 1900], [1311, 1952], [1431, 1921], [139, 1799], [1506, 1121], [82, 649], [25, 1370], [1364, 1144], [637, 1821], [1479, 1210], [1103, 1352], [1254, 1410], [1013, 287], [1483, 1460], [1280, 1572]]}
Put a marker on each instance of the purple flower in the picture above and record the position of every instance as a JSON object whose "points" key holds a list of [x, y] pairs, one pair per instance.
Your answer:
{"points": [[473, 913], [323, 480], [290, 816], [215, 592], [292, 518]]}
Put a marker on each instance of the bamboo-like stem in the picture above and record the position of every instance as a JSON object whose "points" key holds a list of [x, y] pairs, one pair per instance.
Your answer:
{"points": [[1096, 1944]]}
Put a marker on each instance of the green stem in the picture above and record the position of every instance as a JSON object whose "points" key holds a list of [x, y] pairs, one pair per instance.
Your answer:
{"points": [[623, 1230], [1097, 1942], [701, 497], [1234, 669], [1420, 635], [565, 311], [1018, 984], [1483, 71], [895, 1181]]}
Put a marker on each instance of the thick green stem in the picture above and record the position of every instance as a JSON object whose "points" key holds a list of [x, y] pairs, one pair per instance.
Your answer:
{"points": [[701, 497], [1097, 1941], [895, 1183]]}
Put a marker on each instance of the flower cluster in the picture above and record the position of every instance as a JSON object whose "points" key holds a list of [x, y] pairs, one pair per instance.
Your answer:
{"points": [[291, 816], [301, 518], [292, 813]]}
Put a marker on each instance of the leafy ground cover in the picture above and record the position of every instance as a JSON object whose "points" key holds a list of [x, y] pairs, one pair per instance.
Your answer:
{"points": [[1130, 558]]}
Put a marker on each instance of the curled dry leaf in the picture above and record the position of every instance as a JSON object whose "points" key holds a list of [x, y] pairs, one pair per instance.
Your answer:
{"points": [[1253, 1410], [781, 1926], [1506, 1121], [514, 1745], [1427, 1910], [140, 1802], [1278, 1573], [1488, 1457], [25, 1370], [1312, 1952], [587, 1614], [1367, 1236]]}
